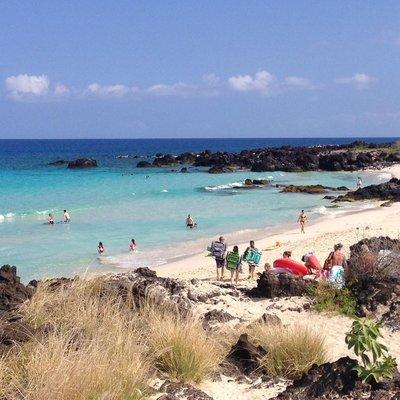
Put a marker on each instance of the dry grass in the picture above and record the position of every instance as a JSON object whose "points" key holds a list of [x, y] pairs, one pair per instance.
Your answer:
{"points": [[87, 347], [181, 347], [291, 351]]}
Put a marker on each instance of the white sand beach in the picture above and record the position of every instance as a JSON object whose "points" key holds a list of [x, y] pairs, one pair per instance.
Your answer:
{"points": [[320, 237]]}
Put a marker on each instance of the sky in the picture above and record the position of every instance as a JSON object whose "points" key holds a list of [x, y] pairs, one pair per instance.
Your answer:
{"points": [[209, 68]]}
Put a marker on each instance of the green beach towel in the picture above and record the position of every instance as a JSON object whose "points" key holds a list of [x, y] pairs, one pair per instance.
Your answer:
{"points": [[232, 260]]}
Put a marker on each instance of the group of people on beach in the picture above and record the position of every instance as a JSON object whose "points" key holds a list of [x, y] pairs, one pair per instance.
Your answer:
{"points": [[333, 270]]}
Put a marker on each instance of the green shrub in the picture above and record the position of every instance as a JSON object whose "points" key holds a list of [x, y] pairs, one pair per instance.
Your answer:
{"points": [[377, 364], [331, 299]]}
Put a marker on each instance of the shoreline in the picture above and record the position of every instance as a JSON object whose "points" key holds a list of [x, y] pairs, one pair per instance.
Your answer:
{"points": [[321, 234]]}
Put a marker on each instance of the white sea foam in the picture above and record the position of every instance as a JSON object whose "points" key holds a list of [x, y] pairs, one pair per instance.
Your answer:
{"points": [[42, 212], [164, 191], [9, 215], [224, 187], [1, 218], [384, 176]]}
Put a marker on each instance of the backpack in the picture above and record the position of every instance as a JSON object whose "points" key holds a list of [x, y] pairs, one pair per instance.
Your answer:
{"points": [[218, 250]]}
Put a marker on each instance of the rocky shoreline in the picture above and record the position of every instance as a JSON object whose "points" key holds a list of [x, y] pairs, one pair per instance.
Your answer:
{"points": [[352, 157]]}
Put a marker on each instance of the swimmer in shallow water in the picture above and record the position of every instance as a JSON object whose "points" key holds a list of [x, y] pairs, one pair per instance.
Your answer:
{"points": [[66, 216], [190, 222], [132, 245], [50, 219], [100, 248]]}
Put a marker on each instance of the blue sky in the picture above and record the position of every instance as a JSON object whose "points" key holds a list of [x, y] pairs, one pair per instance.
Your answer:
{"points": [[84, 69]]}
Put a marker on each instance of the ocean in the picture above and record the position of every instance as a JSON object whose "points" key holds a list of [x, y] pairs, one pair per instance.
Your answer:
{"points": [[117, 201]]}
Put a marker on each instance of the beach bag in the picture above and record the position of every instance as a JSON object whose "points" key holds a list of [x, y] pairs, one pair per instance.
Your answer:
{"points": [[253, 256], [218, 250], [232, 260]]}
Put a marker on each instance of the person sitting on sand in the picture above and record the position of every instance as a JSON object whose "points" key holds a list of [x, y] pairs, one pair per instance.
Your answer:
{"points": [[132, 245], [100, 248], [287, 254], [66, 216], [233, 263], [335, 266], [302, 220], [252, 264], [190, 222], [50, 219], [218, 250]]}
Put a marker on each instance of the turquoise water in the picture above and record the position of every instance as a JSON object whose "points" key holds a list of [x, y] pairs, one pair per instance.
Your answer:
{"points": [[116, 203]]}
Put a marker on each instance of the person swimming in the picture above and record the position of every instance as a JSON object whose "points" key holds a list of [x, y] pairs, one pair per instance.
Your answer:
{"points": [[302, 220], [190, 222], [100, 248], [50, 219], [132, 245], [66, 216]]}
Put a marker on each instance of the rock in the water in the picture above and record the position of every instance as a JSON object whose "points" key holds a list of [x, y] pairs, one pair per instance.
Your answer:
{"points": [[338, 380], [58, 162], [281, 285], [82, 163], [245, 356], [311, 189], [384, 191], [144, 164]]}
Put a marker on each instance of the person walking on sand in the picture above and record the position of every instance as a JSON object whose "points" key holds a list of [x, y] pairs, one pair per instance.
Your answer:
{"points": [[233, 263], [132, 245], [302, 220], [100, 248], [218, 250], [252, 255], [66, 216]]}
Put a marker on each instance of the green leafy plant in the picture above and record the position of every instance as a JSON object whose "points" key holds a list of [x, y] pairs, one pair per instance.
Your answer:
{"points": [[377, 364]]}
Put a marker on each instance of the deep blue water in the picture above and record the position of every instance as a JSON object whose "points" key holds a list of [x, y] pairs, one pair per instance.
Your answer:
{"points": [[116, 202]]}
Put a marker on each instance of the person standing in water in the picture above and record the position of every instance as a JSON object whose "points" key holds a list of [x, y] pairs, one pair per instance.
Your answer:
{"points": [[359, 183], [100, 248], [50, 219], [302, 220], [190, 222], [132, 245], [66, 216]]}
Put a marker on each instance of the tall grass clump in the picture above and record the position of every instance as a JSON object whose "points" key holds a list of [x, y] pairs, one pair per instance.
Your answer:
{"points": [[181, 347], [87, 346], [291, 350]]}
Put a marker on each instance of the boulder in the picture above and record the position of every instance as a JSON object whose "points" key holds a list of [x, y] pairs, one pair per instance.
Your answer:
{"points": [[82, 163], [144, 164], [58, 162], [271, 285], [214, 317], [338, 380], [181, 391], [245, 356]]}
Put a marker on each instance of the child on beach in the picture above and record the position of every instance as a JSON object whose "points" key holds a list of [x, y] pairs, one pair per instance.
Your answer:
{"points": [[100, 248], [233, 263]]}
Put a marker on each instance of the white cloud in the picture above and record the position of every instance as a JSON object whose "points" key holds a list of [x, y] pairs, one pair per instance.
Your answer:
{"points": [[299, 82], [25, 86], [61, 90], [176, 89], [358, 80], [211, 79], [261, 82], [97, 90]]}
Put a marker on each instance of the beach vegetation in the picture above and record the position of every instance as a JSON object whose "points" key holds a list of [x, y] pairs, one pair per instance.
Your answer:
{"points": [[291, 350], [328, 298], [181, 347], [376, 364]]}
